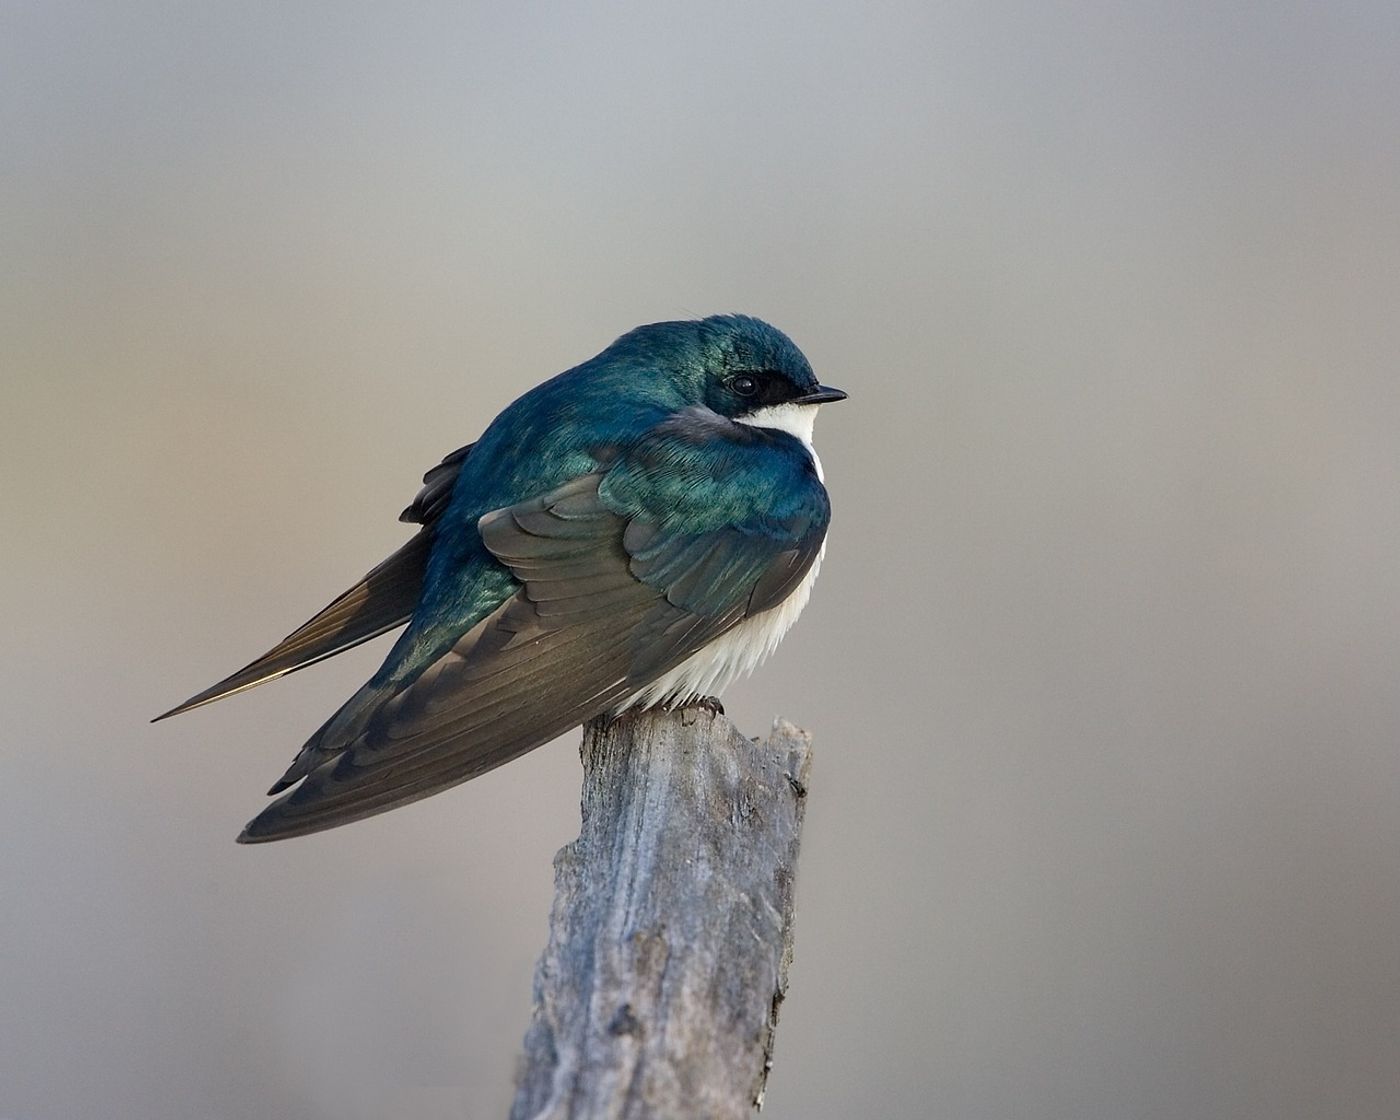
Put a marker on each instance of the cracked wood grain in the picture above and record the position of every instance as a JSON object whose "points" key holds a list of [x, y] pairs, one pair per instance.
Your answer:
{"points": [[671, 930]]}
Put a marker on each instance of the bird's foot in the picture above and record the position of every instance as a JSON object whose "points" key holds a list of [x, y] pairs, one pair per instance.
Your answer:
{"points": [[711, 704]]}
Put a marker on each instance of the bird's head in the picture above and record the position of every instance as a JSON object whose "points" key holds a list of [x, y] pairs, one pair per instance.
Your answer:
{"points": [[735, 365]]}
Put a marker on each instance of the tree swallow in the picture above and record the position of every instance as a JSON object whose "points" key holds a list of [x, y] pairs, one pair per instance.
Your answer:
{"points": [[636, 532]]}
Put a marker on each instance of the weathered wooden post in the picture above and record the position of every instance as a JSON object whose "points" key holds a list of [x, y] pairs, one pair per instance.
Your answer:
{"points": [[671, 930]]}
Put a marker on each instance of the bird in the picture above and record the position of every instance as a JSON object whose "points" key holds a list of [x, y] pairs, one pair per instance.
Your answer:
{"points": [[637, 532]]}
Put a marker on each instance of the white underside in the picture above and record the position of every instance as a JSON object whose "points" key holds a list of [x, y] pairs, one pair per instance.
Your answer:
{"points": [[739, 651]]}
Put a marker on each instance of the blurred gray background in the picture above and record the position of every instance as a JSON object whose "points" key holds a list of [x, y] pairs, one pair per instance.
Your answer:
{"points": [[1102, 665]]}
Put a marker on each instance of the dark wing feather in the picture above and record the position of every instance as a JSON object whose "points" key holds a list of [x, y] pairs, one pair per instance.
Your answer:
{"points": [[438, 483], [382, 600], [608, 602]]}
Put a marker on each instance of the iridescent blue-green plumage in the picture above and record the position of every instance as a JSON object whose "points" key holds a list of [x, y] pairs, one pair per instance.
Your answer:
{"points": [[605, 527]]}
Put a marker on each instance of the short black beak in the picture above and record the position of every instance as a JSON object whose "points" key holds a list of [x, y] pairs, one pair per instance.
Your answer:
{"points": [[822, 394]]}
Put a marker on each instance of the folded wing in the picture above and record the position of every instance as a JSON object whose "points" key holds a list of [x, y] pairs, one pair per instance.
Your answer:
{"points": [[611, 596]]}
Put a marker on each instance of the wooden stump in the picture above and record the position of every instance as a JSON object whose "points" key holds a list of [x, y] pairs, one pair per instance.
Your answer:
{"points": [[671, 930]]}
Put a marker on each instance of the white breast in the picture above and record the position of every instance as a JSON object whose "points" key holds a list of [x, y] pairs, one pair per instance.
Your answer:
{"points": [[739, 651]]}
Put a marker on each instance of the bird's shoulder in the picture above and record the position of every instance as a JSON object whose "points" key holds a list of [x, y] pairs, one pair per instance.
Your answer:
{"points": [[698, 467], [685, 480]]}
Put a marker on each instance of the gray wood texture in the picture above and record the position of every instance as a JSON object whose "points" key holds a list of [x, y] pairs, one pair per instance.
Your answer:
{"points": [[671, 930]]}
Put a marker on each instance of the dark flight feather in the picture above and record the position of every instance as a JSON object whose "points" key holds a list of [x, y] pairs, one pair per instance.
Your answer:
{"points": [[383, 600], [609, 598]]}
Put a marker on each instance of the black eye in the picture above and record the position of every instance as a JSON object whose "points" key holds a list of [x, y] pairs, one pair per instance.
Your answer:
{"points": [[746, 385]]}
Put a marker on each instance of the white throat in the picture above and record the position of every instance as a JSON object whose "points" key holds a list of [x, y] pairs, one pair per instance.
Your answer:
{"points": [[795, 419]]}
